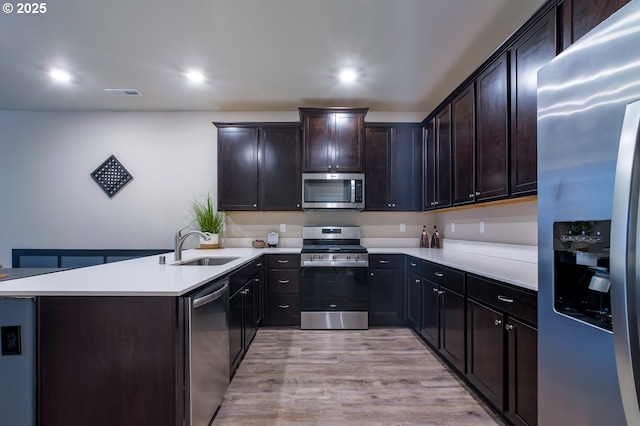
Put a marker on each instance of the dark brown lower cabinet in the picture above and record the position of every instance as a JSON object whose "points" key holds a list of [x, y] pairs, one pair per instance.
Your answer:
{"points": [[386, 290], [452, 327], [485, 340], [502, 348], [414, 300], [282, 290], [523, 373], [109, 361]]}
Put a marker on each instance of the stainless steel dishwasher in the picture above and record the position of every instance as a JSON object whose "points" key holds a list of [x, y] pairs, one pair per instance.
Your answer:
{"points": [[206, 351]]}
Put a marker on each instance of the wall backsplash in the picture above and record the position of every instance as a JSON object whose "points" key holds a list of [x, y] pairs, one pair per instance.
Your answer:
{"points": [[510, 223]]}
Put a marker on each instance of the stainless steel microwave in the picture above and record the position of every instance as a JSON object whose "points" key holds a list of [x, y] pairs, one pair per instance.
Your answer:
{"points": [[321, 191]]}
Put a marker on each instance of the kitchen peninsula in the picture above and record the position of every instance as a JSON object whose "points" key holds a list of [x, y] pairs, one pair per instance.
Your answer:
{"points": [[112, 336]]}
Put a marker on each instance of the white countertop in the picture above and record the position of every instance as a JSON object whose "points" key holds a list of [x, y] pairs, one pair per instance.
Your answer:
{"points": [[146, 277]]}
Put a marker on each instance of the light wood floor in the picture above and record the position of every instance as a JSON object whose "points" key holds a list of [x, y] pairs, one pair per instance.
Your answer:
{"points": [[372, 377]]}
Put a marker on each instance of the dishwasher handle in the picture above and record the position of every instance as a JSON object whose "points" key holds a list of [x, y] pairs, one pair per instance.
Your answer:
{"points": [[208, 298]]}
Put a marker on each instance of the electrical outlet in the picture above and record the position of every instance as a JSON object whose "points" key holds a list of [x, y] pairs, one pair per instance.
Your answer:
{"points": [[11, 340], [453, 227], [403, 227], [283, 227], [482, 226]]}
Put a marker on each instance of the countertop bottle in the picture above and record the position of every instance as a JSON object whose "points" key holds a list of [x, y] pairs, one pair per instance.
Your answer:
{"points": [[424, 239], [435, 238]]}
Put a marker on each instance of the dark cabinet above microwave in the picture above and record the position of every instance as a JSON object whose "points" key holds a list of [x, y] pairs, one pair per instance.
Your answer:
{"points": [[333, 139]]}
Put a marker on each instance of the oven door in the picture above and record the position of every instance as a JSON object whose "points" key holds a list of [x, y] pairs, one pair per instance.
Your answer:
{"points": [[334, 298]]}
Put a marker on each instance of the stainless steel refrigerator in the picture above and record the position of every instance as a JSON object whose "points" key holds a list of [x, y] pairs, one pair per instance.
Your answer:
{"points": [[588, 217]]}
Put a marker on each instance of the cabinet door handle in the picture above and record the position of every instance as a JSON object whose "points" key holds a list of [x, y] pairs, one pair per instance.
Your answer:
{"points": [[283, 306], [284, 281], [509, 327], [283, 261], [329, 166], [497, 322], [440, 293], [298, 205], [255, 206], [477, 193], [337, 166], [435, 290], [332, 306], [504, 299], [258, 265], [471, 195], [439, 274], [389, 205], [384, 262], [393, 205], [257, 280], [417, 280], [413, 264]]}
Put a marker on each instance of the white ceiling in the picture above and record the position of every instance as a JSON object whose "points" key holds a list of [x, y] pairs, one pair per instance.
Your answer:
{"points": [[257, 54]]}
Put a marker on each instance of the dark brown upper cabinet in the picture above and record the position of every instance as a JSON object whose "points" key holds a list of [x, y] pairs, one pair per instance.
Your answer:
{"points": [[535, 48], [492, 131], [333, 139], [438, 160], [259, 166], [463, 141], [394, 168], [581, 16]]}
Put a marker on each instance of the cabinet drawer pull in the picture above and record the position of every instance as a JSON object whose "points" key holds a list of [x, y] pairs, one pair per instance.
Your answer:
{"points": [[440, 293], [258, 265], [417, 280], [332, 306], [284, 281], [439, 274], [283, 261], [505, 299], [413, 264], [384, 262], [257, 280], [283, 306], [509, 327], [497, 322], [435, 290]]}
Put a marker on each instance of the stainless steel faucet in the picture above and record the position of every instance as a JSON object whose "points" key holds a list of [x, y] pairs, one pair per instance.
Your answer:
{"points": [[179, 241]]}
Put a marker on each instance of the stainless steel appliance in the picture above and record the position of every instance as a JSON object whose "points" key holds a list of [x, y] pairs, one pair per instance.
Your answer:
{"points": [[206, 351], [322, 191], [334, 291], [589, 270]]}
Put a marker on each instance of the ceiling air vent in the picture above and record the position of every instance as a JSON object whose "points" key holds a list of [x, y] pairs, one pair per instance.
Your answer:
{"points": [[123, 92]]}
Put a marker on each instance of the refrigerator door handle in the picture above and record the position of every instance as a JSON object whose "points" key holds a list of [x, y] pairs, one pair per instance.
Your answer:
{"points": [[625, 270]]}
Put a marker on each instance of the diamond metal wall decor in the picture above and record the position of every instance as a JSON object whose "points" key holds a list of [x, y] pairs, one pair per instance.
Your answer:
{"points": [[111, 176]]}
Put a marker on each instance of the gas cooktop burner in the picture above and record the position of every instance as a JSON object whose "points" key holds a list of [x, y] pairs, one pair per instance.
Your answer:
{"points": [[333, 246]]}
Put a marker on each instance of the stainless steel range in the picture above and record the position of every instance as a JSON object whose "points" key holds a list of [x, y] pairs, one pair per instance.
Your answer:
{"points": [[334, 292]]}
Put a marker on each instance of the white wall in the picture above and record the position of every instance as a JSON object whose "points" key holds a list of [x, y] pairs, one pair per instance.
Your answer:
{"points": [[49, 200]]}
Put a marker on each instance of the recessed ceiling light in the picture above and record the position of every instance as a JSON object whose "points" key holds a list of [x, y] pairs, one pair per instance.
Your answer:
{"points": [[348, 75], [195, 76], [60, 75]]}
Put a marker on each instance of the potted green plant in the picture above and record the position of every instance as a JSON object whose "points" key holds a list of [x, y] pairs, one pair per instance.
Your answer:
{"points": [[208, 221]]}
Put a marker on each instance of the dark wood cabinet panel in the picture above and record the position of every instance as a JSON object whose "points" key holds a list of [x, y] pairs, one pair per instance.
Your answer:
{"points": [[452, 329], [280, 165], [430, 176], [485, 343], [534, 48], [463, 146], [319, 131], [377, 153], [523, 373], [348, 152], [386, 304], [492, 131], [414, 300], [259, 166], [406, 169], [86, 378], [237, 168], [394, 168], [430, 324], [333, 139], [443, 157], [581, 16]]}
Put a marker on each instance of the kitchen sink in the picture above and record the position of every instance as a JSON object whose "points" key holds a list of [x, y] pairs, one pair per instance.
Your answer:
{"points": [[206, 261]]}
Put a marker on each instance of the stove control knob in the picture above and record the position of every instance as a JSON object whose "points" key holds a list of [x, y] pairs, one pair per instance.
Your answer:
{"points": [[348, 257], [357, 257], [335, 257]]}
